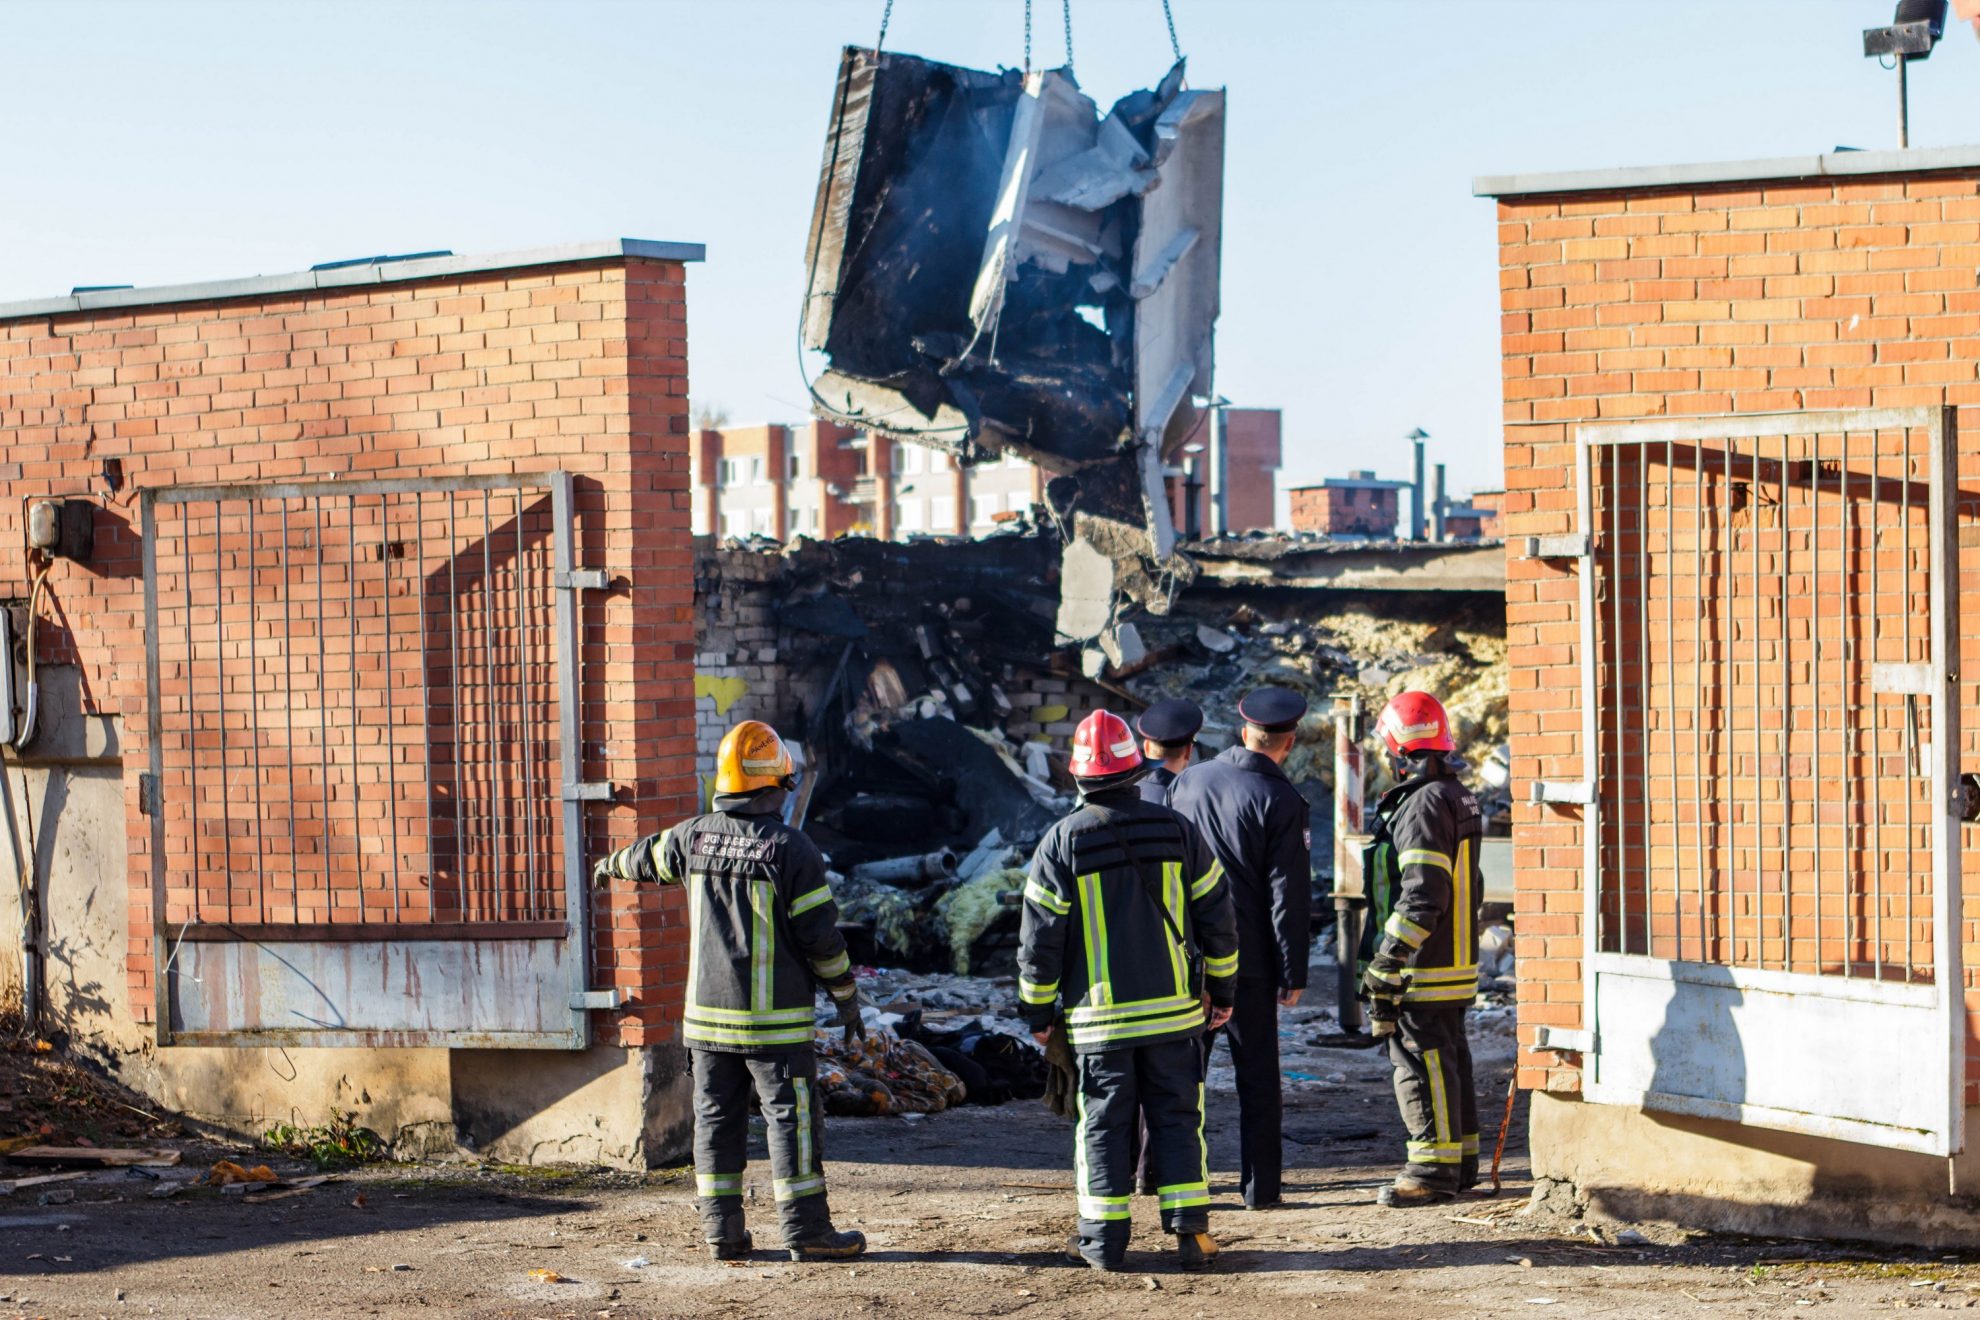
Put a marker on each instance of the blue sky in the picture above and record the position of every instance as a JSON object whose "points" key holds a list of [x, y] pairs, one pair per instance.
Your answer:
{"points": [[155, 142]]}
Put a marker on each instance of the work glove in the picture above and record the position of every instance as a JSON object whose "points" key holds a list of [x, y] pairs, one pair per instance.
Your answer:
{"points": [[1382, 985], [602, 871], [1061, 1077], [850, 1017]]}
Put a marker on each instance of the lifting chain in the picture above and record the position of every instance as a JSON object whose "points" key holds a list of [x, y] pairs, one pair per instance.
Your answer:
{"points": [[1027, 38], [1170, 18], [887, 16], [1069, 51]]}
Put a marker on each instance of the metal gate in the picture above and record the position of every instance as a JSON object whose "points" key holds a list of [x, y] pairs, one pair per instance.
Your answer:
{"points": [[366, 814], [1769, 626]]}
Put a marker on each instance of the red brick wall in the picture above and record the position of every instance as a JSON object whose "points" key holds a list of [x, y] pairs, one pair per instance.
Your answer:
{"points": [[1335, 510], [1755, 297], [577, 367]]}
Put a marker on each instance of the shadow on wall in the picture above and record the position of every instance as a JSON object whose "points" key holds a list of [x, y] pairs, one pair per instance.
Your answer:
{"points": [[1696, 1052]]}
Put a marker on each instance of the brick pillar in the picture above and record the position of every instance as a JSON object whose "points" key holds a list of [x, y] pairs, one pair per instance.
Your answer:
{"points": [[776, 447]]}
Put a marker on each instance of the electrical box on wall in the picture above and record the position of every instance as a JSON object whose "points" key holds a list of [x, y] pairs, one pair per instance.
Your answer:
{"points": [[65, 529]]}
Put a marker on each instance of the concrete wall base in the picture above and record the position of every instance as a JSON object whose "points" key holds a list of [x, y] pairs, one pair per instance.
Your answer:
{"points": [[1629, 1164], [627, 1108]]}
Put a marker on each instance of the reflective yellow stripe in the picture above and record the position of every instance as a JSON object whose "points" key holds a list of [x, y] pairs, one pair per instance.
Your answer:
{"points": [[1135, 1028], [710, 1035], [1221, 967], [1471, 1143], [1435, 1152], [1183, 1194], [1031, 992], [1087, 1014], [1442, 994], [718, 1184], [1093, 924], [1424, 857], [1440, 1105], [762, 944], [834, 967], [660, 858], [1202, 1145], [1461, 894], [749, 1016], [1172, 899], [804, 904], [1046, 899], [790, 1189], [1404, 929], [1207, 881], [1443, 975], [802, 1085]]}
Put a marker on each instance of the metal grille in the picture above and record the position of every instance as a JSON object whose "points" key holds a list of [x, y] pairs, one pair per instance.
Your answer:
{"points": [[1764, 613], [357, 708]]}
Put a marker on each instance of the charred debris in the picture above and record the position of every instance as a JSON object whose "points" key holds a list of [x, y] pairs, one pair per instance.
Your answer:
{"points": [[994, 266], [933, 697]]}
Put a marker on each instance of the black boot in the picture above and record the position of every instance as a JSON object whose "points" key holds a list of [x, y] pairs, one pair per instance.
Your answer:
{"points": [[1196, 1251], [1093, 1260], [728, 1239], [1468, 1173], [832, 1244]]}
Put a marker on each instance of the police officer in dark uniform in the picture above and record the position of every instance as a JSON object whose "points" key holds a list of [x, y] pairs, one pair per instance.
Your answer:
{"points": [[1421, 948], [1256, 823], [1168, 737]]}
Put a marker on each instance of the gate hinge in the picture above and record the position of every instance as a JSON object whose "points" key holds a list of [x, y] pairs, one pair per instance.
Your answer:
{"points": [[1562, 1040], [584, 579], [1573, 792], [592, 791], [610, 1000], [1572, 545], [150, 799]]}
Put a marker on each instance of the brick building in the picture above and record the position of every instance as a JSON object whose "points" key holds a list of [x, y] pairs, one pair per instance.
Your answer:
{"points": [[1253, 456], [333, 709], [1487, 505], [1357, 505], [1740, 415], [822, 480]]}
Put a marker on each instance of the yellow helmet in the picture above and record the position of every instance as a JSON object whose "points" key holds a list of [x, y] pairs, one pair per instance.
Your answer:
{"points": [[752, 756]]}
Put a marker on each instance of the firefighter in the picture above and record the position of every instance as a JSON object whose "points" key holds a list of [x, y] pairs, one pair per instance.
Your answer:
{"points": [[1168, 737], [1127, 930], [1421, 947], [1256, 823], [763, 933]]}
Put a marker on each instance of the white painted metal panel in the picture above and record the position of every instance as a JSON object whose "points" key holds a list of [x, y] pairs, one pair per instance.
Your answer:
{"points": [[1792, 1052], [463, 993]]}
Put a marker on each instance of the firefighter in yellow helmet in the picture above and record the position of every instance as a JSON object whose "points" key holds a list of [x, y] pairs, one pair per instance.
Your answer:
{"points": [[763, 932]]}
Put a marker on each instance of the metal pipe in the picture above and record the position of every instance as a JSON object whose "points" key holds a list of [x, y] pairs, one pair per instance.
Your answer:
{"points": [[1851, 760], [289, 719], [322, 710], [1876, 784], [1670, 713], [1416, 489], [526, 710], [351, 676], [1815, 674], [1437, 503], [1644, 692], [391, 694], [220, 712], [192, 719], [1911, 745], [1787, 715], [911, 872], [254, 726], [1220, 474], [1350, 806], [1754, 684], [1614, 506], [495, 785], [1904, 103]]}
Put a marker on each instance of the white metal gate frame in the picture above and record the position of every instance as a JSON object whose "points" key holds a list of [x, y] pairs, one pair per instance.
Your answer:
{"points": [[1944, 996], [572, 942]]}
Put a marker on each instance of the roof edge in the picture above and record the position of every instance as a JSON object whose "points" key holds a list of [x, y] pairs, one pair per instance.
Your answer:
{"points": [[344, 277], [1833, 164]]}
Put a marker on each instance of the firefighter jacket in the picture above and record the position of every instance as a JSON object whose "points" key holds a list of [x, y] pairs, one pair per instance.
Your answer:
{"points": [[1094, 940], [762, 927], [1425, 888], [1256, 823]]}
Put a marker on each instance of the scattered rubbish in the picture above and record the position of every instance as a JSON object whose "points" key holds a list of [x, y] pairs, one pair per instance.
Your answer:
{"points": [[226, 1173], [141, 1174], [1151, 1283], [401, 1269], [541, 1275], [358, 1202], [636, 1263], [97, 1157], [883, 1074], [165, 1191], [37, 1180], [57, 1196]]}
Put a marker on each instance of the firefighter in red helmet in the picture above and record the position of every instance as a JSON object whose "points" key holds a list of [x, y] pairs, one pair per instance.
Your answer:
{"points": [[1128, 936], [1421, 948]]}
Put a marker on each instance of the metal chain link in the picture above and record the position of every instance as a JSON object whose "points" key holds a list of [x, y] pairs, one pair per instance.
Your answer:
{"points": [[887, 16], [1027, 36], [1170, 18], [1069, 50]]}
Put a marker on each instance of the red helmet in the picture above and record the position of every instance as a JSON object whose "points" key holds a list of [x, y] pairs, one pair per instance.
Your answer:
{"points": [[1415, 722], [1104, 745]]}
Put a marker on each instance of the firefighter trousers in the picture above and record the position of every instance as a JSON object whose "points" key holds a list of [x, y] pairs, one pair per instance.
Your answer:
{"points": [[1162, 1083], [1432, 1060], [785, 1088]]}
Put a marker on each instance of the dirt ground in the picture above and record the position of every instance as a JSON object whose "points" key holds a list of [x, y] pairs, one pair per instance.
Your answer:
{"points": [[966, 1212]]}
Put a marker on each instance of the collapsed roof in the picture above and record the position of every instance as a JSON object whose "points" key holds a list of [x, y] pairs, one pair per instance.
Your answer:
{"points": [[994, 267]]}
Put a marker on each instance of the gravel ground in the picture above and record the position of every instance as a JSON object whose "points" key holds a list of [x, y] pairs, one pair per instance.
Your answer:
{"points": [[965, 1211]]}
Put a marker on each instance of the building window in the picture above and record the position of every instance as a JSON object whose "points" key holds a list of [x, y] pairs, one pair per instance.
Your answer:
{"points": [[794, 466], [942, 513], [756, 476], [896, 460], [907, 515], [938, 460], [759, 522], [1017, 501], [728, 524], [725, 472]]}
